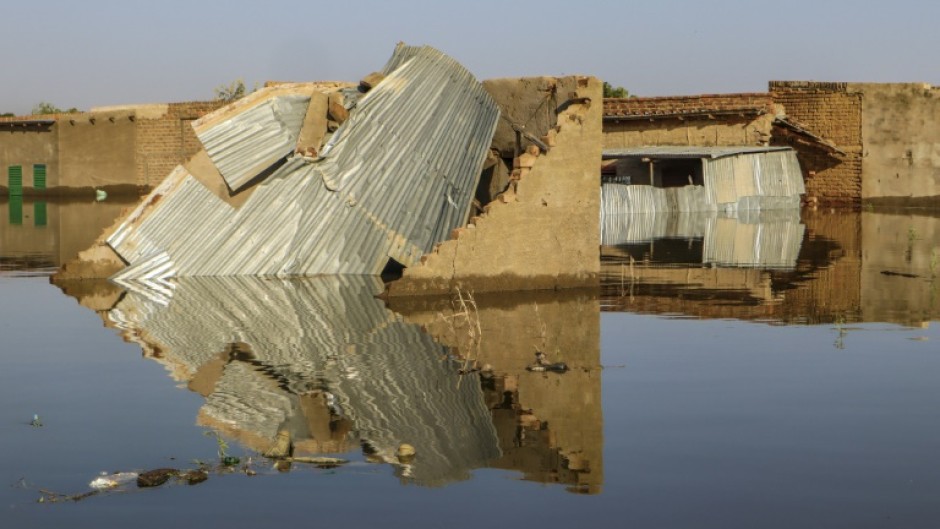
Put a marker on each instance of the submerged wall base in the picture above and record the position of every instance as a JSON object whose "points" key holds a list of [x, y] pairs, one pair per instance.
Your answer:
{"points": [[543, 232]]}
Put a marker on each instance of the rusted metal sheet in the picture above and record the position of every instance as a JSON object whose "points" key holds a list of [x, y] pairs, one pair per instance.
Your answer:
{"points": [[395, 179]]}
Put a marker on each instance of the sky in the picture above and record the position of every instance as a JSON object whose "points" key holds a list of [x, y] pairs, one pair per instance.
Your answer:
{"points": [[107, 52]]}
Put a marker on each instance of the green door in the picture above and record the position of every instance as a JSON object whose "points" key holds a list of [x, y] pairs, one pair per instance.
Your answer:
{"points": [[39, 176], [15, 173]]}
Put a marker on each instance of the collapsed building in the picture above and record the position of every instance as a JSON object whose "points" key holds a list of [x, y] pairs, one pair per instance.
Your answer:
{"points": [[309, 178]]}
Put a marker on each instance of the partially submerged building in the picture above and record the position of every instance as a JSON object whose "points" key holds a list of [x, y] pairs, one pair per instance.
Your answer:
{"points": [[887, 139], [306, 179], [121, 149], [728, 179]]}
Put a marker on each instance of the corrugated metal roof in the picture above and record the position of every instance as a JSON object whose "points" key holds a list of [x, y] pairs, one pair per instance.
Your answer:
{"points": [[261, 133], [392, 381], [669, 151], [741, 181], [394, 180]]}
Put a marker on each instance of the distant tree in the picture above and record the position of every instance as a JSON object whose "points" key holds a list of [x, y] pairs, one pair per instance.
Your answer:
{"points": [[617, 92], [7, 115], [231, 92], [44, 107]]}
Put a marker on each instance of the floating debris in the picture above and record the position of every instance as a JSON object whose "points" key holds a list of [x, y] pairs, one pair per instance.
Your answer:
{"points": [[35, 423], [542, 365], [156, 477], [112, 481], [320, 462], [194, 477]]}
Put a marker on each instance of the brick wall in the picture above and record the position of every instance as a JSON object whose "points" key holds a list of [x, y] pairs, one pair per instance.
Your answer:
{"points": [[656, 106], [833, 112], [702, 120], [167, 141]]}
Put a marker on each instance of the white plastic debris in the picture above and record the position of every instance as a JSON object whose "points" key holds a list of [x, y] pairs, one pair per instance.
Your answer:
{"points": [[110, 481]]}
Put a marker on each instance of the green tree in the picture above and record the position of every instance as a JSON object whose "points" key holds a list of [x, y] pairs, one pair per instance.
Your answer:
{"points": [[616, 92], [45, 107], [231, 92], [7, 115]]}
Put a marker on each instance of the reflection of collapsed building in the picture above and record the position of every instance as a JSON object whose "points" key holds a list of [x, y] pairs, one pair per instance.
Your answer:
{"points": [[550, 426], [848, 267], [326, 361]]}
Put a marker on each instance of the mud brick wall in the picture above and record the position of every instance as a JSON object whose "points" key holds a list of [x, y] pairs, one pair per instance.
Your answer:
{"points": [[701, 120], [542, 233], [167, 141], [832, 111]]}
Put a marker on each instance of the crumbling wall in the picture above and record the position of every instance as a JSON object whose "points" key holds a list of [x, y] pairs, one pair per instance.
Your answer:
{"points": [[543, 232], [833, 112], [704, 120], [901, 138]]}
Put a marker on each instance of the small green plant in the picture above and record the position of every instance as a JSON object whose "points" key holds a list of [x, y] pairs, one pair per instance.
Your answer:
{"points": [[869, 206], [224, 457], [911, 235], [840, 327], [233, 91]]}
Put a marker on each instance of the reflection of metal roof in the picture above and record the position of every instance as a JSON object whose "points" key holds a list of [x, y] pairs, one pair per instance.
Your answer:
{"points": [[391, 380], [393, 181], [769, 239], [668, 151]]}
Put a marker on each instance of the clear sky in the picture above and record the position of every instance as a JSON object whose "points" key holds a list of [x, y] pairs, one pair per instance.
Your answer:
{"points": [[103, 52]]}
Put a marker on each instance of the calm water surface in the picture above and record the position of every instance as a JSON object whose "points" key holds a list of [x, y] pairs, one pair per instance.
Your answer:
{"points": [[775, 371]]}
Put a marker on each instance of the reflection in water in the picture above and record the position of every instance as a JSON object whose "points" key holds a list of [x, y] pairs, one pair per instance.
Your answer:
{"points": [[41, 235], [848, 267], [759, 239], [324, 360]]}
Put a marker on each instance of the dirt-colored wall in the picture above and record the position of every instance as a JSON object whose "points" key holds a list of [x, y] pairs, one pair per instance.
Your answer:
{"points": [[96, 150], [543, 234], [901, 138], [122, 149], [705, 120], [27, 148], [833, 112], [165, 141]]}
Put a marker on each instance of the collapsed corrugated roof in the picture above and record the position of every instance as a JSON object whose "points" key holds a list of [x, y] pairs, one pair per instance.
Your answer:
{"points": [[394, 180]]}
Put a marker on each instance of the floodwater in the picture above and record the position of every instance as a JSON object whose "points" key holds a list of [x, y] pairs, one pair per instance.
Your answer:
{"points": [[779, 371]]}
